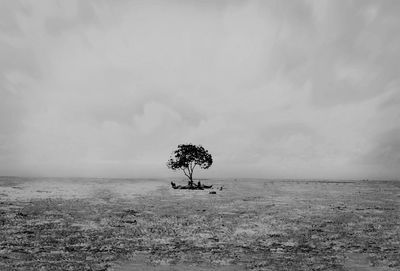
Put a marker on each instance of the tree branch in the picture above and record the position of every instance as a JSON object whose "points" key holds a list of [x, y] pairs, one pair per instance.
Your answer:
{"points": [[194, 165], [184, 172]]}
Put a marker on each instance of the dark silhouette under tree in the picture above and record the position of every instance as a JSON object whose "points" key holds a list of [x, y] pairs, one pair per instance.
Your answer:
{"points": [[186, 158]]}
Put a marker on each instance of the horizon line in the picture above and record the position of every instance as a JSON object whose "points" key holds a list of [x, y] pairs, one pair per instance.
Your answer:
{"points": [[210, 178]]}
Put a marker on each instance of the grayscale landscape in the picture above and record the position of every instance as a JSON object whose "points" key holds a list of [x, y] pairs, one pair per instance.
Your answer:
{"points": [[252, 224], [199, 135]]}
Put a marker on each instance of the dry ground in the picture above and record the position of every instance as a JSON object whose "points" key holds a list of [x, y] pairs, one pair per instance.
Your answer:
{"points": [[249, 225]]}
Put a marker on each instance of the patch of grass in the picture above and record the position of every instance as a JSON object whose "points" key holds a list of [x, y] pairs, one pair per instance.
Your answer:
{"points": [[258, 225]]}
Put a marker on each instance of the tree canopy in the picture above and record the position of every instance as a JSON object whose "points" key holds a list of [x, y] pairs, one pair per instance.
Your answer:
{"points": [[187, 156]]}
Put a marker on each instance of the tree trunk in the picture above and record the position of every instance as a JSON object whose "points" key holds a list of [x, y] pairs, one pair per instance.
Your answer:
{"points": [[190, 183], [190, 174]]}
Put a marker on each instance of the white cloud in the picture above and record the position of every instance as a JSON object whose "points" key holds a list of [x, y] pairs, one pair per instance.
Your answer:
{"points": [[157, 118], [272, 89]]}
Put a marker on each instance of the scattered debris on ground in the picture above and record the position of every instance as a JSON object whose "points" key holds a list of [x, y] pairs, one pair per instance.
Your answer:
{"points": [[258, 225]]}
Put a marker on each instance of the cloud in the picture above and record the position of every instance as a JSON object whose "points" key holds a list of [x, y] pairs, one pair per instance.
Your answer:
{"points": [[387, 149], [384, 156], [272, 89], [67, 16], [157, 116], [357, 41]]}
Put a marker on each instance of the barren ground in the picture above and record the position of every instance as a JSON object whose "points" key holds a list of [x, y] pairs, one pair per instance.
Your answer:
{"points": [[99, 224]]}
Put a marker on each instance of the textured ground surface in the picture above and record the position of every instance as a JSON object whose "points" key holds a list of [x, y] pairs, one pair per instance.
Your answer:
{"points": [[249, 225]]}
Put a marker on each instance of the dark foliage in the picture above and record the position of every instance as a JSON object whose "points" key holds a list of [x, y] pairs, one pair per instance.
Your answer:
{"points": [[187, 156]]}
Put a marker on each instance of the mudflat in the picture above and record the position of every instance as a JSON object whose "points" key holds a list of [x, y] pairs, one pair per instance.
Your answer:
{"points": [[111, 224]]}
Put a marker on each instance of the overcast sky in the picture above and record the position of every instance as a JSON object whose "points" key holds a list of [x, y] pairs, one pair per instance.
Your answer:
{"points": [[273, 89]]}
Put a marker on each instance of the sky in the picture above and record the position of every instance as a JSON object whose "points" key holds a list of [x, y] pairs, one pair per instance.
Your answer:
{"points": [[273, 89]]}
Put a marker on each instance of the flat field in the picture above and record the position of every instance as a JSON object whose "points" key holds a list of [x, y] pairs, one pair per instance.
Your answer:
{"points": [[110, 224]]}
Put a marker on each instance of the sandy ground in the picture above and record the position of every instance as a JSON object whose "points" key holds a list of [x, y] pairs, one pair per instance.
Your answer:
{"points": [[102, 224], [73, 188]]}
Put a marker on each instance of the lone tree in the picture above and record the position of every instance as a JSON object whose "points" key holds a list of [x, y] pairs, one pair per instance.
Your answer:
{"points": [[187, 157]]}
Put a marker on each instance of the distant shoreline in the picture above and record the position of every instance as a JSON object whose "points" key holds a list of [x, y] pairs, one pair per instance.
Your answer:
{"points": [[156, 179]]}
